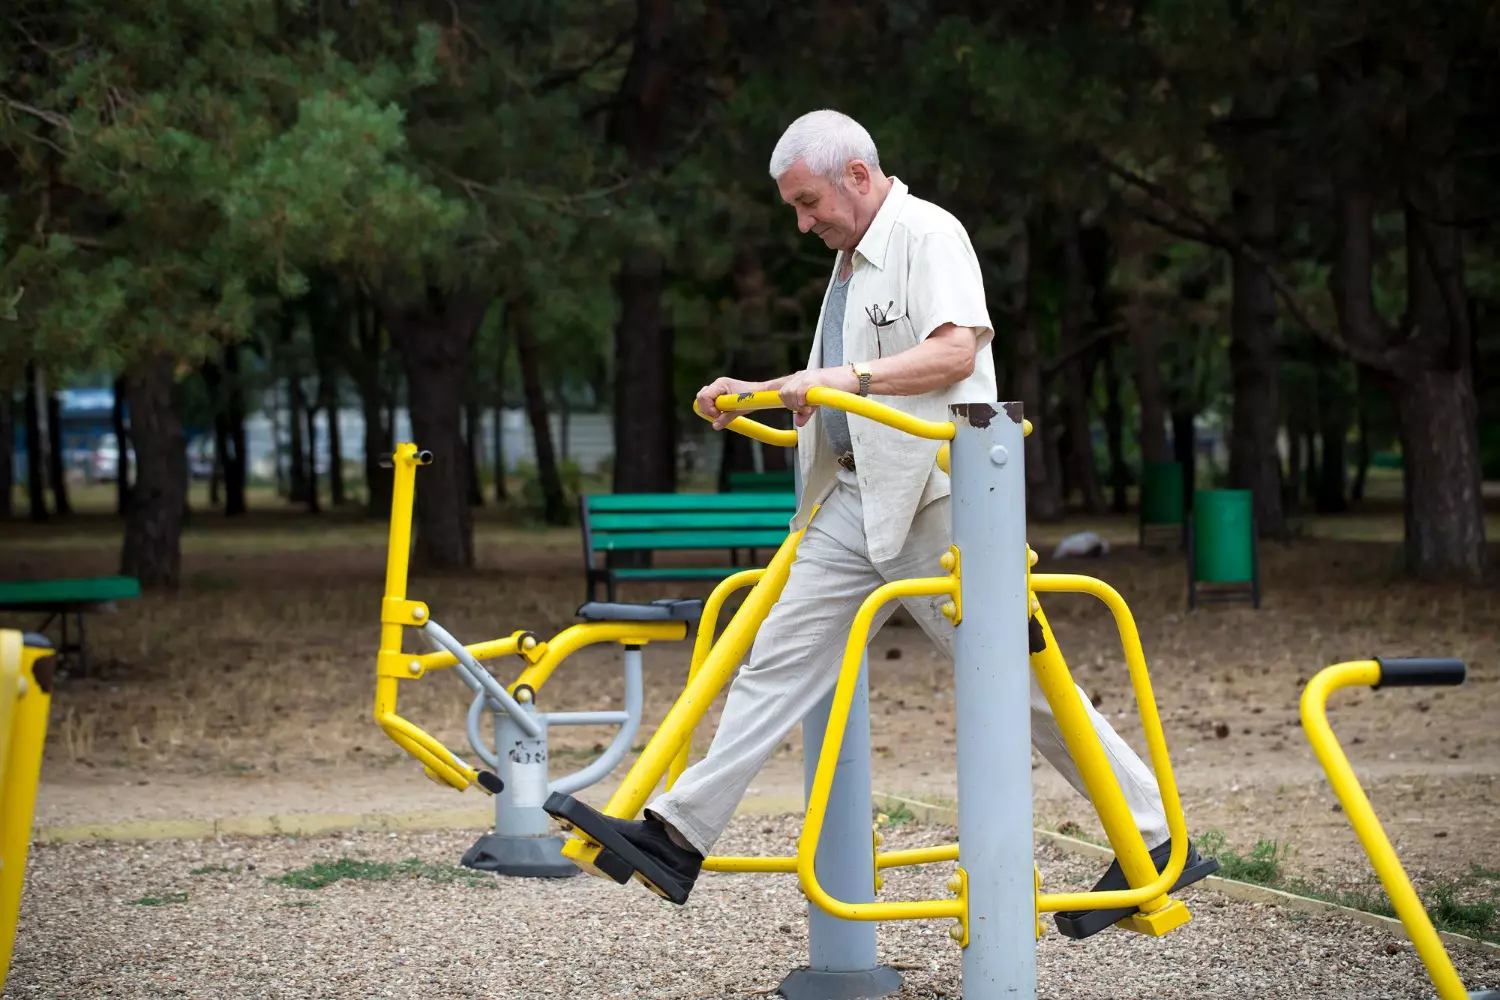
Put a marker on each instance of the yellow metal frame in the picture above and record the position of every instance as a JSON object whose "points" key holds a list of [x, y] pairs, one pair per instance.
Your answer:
{"points": [[1341, 776], [25, 700], [392, 666]]}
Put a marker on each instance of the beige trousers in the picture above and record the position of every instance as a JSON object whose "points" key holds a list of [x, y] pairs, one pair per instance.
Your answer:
{"points": [[795, 662]]}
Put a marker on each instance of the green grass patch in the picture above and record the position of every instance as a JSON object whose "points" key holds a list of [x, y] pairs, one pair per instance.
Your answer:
{"points": [[168, 899], [1261, 867], [1475, 918], [896, 817], [321, 874]]}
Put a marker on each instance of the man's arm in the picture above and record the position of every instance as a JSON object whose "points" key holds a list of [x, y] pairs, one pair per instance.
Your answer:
{"points": [[945, 357], [726, 386]]}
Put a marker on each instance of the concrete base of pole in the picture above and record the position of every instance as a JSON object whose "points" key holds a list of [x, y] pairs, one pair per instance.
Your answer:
{"points": [[817, 984], [523, 857]]}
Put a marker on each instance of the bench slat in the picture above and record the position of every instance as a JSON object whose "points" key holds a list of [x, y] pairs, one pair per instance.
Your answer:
{"points": [[645, 540], [680, 573], [86, 590], [660, 521], [651, 502]]}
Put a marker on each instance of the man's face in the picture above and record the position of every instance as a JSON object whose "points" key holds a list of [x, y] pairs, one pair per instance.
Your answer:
{"points": [[822, 209]]}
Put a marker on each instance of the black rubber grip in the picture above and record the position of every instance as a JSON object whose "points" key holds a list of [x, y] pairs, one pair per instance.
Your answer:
{"points": [[1420, 671]]}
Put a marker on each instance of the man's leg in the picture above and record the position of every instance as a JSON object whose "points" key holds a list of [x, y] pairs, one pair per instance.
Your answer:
{"points": [[930, 536], [793, 663]]}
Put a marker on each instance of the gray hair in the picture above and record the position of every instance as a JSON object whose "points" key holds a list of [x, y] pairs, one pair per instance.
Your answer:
{"points": [[826, 140]]}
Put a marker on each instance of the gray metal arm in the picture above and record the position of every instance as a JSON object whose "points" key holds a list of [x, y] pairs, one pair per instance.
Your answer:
{"points": [[478, 678], [634, 703]]}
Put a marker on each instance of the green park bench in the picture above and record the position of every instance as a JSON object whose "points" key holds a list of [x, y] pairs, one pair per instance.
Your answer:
{"points": [[644, 523], [58, 599], [775, 481]]}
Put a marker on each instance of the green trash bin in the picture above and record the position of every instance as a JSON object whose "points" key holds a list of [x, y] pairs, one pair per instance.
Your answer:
{"points": [[1162, 503], [1222, 547]]}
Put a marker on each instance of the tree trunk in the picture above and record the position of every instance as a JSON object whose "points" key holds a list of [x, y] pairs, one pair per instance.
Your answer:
{"points": [[1362, 438], [554, 504], [644, 407], [1119, 474], [1253, 460], [311, 411], [1043, 497], [297, 471], [498, 417], [1148, 390], [123, 445], [1291, 493], [7, 451], [36, 455], [153, 529], [366, 369], [328, 400], [644, 403], [1185, 452], [57, 467], [236, 460], [213, 378], [473, 439], [1439, 415], [1080, 457], [754, 357], [1330, 495], [434, 338]]}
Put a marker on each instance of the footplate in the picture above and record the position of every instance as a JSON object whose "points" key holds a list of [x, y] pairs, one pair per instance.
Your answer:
{"points": [[1079, 924], [618, 858]]}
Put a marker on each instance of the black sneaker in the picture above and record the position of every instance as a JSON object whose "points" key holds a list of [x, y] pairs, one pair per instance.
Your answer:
{"points": [[639, 847], [1080, 924]]}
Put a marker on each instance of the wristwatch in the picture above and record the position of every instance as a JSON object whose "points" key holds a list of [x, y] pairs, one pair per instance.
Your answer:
{"points": [[862, 372]]}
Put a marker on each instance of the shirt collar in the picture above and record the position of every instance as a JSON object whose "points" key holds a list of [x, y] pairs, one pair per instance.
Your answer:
{"points": [[878, 237]]}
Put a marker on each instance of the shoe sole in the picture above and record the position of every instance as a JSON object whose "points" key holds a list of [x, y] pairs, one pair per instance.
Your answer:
{"points": [[1079, 924], [619, 859]]}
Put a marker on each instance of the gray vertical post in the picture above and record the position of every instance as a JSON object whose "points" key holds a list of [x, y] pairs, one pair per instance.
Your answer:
{"points": [[992, 694], [841, 953], [524, 843]]}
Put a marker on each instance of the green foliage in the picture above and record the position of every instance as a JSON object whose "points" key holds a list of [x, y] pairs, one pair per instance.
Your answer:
{"points": [[531, 485], [1262, 866]]}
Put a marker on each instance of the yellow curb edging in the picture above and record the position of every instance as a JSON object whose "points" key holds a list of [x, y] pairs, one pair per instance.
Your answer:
{"points": [[314, 824], [1248, 892]]}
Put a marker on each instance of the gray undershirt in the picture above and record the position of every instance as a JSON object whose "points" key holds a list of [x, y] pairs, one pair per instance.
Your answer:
{"points": [[836, 422]]}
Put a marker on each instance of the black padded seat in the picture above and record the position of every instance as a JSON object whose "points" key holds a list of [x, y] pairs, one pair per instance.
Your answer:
{"points": [[667, 609]]}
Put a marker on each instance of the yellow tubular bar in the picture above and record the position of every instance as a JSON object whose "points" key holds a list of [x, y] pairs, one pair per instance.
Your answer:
{"points": [[863, 406], [429, 751], [833, 738], [708, 623], [1314, 711], [916, 856], [575, 637], [1062, 694], [717, 667], [774, 436], [489, 650]]}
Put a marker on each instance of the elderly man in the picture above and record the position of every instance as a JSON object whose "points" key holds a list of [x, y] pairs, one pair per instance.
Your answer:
{"points": [[904, 319]]}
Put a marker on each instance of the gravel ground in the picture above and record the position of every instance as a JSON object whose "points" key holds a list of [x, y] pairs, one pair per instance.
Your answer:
{"points": [[206, 919]]}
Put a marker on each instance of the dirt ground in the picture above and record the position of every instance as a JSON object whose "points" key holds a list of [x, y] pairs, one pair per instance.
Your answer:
{"points": [[249, 692]]}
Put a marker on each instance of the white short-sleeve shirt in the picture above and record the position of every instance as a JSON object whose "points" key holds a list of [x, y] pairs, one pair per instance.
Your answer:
{"points": [[914, 271]]}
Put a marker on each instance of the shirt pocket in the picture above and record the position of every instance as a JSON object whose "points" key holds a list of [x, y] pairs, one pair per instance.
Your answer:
{"points": [[884, 321]]}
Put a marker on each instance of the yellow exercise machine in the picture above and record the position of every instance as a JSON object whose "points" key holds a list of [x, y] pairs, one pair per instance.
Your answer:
{"points": [[1376, 674], [26, 676], [1002, 636]]}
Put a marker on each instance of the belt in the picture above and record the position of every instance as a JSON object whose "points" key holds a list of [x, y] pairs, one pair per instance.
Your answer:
{"points": [[847, 460]]}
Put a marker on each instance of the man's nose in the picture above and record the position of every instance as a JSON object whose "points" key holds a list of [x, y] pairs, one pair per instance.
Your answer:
{"points": [[804, 220]]}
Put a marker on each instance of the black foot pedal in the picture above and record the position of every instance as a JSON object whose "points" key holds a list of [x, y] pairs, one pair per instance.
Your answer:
{"points": [[620, 858], [1079, 924]]}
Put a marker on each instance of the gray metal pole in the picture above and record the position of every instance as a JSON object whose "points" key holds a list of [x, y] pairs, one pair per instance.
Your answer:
{"points": [[524, 843], [842, 963], [841, 953], [992, 694]]}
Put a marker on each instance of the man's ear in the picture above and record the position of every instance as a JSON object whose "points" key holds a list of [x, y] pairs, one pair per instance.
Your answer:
{"points": [[859, 176]]}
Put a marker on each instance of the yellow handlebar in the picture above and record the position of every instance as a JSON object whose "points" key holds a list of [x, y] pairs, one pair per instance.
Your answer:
{"points": [[932, 430]]}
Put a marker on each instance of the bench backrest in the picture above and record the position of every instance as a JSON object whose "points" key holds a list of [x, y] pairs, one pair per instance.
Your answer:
{"points": [[619, 522], [776, 481]]}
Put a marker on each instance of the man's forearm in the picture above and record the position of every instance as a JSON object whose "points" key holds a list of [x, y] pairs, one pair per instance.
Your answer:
{"points": [[943, 359]]}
